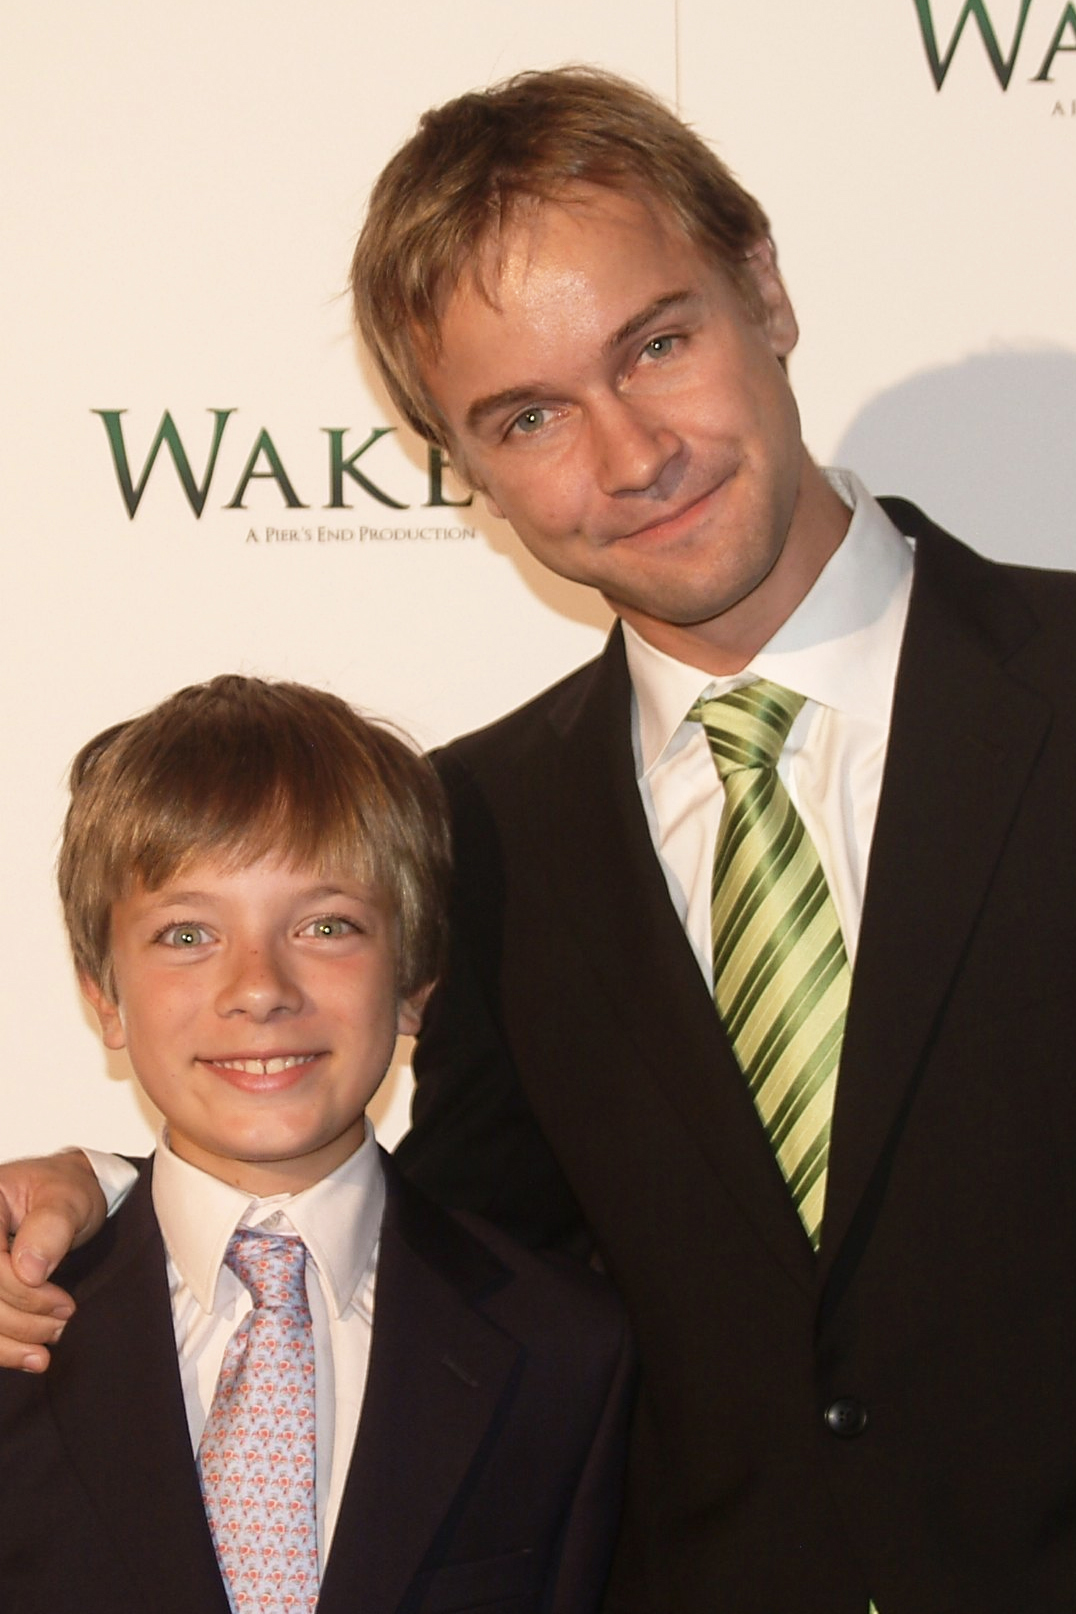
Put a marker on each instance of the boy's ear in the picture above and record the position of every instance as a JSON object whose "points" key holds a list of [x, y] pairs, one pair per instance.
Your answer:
{"points": [[107, 1012], [410, 1011]]}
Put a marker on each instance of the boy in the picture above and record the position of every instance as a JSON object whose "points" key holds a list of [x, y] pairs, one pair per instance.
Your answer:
{"points": [[290, 1380]]}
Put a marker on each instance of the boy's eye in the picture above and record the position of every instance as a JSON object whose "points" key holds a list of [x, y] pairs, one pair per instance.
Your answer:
{"points": [[330, 927], [182, 936], [659, 347]]}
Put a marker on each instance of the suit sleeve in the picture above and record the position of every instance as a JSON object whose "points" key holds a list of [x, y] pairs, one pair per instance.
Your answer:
{"points": [[474, 1143], [580, 1578]]}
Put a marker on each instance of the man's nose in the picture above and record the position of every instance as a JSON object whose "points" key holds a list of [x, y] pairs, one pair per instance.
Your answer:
{"points": [[632, 448], [260, 984]]}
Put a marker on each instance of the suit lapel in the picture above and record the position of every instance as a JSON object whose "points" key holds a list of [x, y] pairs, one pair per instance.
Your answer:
{"points": [[115, 1394], [963, 739], [438, 1373], [612, 885]]}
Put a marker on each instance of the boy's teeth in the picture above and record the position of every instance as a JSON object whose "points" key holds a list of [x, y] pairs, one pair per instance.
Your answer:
{"points": [[268, 1067]]}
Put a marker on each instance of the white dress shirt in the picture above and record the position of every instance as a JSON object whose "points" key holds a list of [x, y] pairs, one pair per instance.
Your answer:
{"points": [[840, 649], [339, 1221]]}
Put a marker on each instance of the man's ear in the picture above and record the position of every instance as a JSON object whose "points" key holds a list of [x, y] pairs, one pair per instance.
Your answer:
{"points": [[776, 314], [410, 1011], [107, 1012]]}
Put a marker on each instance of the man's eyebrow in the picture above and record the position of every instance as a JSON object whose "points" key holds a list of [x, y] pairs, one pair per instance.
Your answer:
{"points": [[638, 322], [497, 402]]}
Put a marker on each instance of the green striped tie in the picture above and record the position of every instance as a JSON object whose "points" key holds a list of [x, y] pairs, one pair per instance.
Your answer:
{"points": [[781, 976]]}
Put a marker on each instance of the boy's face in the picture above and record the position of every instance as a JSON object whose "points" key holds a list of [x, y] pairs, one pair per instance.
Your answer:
{"points": [[259, 1010]]}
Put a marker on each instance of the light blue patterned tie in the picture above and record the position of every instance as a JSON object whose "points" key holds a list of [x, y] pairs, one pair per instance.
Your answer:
{"points": [[256, 1461]]}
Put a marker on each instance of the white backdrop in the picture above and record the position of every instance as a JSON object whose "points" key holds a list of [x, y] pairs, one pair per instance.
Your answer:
{"points": [[182, 190]]}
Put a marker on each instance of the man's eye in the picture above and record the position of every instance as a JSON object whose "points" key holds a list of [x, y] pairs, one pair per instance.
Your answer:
{"points": [[531, 420], [659, 347], [184, 936]]}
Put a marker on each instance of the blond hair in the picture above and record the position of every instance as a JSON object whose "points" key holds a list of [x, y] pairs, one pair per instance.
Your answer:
{"points": [[239, 769], [456, 182]]}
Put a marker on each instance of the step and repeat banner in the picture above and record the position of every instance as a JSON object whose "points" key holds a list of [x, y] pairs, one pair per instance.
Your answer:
{"points": [[201, 474]]}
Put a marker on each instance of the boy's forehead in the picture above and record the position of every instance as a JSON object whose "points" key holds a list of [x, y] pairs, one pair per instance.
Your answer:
{"points": [[247, 866]]}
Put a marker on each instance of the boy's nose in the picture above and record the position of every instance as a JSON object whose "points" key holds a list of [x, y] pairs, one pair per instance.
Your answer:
{"points": [[259, 985]]}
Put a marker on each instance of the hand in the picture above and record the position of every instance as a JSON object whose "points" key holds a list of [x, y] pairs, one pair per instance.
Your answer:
{"points": [[46, 1207]]}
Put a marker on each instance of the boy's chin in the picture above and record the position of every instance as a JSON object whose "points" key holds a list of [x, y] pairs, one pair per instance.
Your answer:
{"points": [[267, 1166]]}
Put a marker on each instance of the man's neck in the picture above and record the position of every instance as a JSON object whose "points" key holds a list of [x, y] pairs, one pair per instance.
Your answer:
{"points": [[724, 644]]}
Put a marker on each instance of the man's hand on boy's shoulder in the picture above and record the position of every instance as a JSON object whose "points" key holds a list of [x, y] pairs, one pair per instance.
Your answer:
{"points": [[47, 1206]]}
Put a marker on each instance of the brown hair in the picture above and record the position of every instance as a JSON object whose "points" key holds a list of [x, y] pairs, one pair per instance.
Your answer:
{"points": [[241, 768], [455, 183]]}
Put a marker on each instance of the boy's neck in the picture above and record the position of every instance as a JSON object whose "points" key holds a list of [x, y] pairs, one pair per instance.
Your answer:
{"points": [[339, 1219], [270, 1179]]}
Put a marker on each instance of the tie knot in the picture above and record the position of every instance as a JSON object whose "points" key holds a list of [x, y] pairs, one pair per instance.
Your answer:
{"points": [[747, 728], [270, 1265]]}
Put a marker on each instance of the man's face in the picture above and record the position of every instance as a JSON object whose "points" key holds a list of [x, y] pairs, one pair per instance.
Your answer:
{"points": [[260, 1011], [617, 401]]}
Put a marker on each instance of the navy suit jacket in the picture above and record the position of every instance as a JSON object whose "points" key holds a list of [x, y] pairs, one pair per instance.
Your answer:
{"points": [[896, 1418], [486, 1466]]}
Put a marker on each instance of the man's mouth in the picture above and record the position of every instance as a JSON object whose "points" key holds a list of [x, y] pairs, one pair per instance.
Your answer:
{"points": [[674, 522]]}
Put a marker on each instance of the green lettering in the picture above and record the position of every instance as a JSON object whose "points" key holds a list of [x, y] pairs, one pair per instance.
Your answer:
{"points": [[275, 473], [339, 467], [939, 66], [437, 463], [1068, 20], [196, 492]]}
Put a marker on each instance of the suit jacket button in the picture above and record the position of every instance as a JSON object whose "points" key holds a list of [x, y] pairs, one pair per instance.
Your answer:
{"points": [[846, 1417]]}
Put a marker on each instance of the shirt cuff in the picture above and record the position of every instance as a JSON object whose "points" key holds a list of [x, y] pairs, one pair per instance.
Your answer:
{"points": [[116, 1176]]}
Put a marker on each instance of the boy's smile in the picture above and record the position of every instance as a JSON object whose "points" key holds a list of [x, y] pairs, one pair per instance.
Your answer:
{"points": [[259, 1009], [262, 1074]]}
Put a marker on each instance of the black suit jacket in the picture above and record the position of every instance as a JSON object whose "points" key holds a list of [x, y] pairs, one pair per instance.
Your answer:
{"points": [[486, 1467], [896, 1418]]}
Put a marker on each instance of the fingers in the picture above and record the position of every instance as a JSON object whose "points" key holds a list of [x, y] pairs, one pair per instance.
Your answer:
{"points": [[45, 1207], [32, 1317], [49, 1205], [55, 1222]]}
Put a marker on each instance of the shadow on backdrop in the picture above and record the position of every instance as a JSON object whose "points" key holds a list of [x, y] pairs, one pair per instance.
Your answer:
{"points": [[987, 447]]}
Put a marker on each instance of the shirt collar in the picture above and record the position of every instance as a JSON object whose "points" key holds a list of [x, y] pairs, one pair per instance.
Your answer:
{"points": [[338, 1219], [840, 647]]}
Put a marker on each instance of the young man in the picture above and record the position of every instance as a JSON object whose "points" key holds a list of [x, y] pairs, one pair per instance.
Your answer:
{"points": [[291, 1380], [854, 1330]]}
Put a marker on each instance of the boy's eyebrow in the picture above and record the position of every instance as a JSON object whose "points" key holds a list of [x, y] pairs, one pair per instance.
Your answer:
{"points": [[361, 891], [496, 403], [174, 899]]}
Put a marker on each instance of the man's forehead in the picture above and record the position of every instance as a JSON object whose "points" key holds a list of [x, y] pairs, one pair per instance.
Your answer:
{"points": [[520, 242]]}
